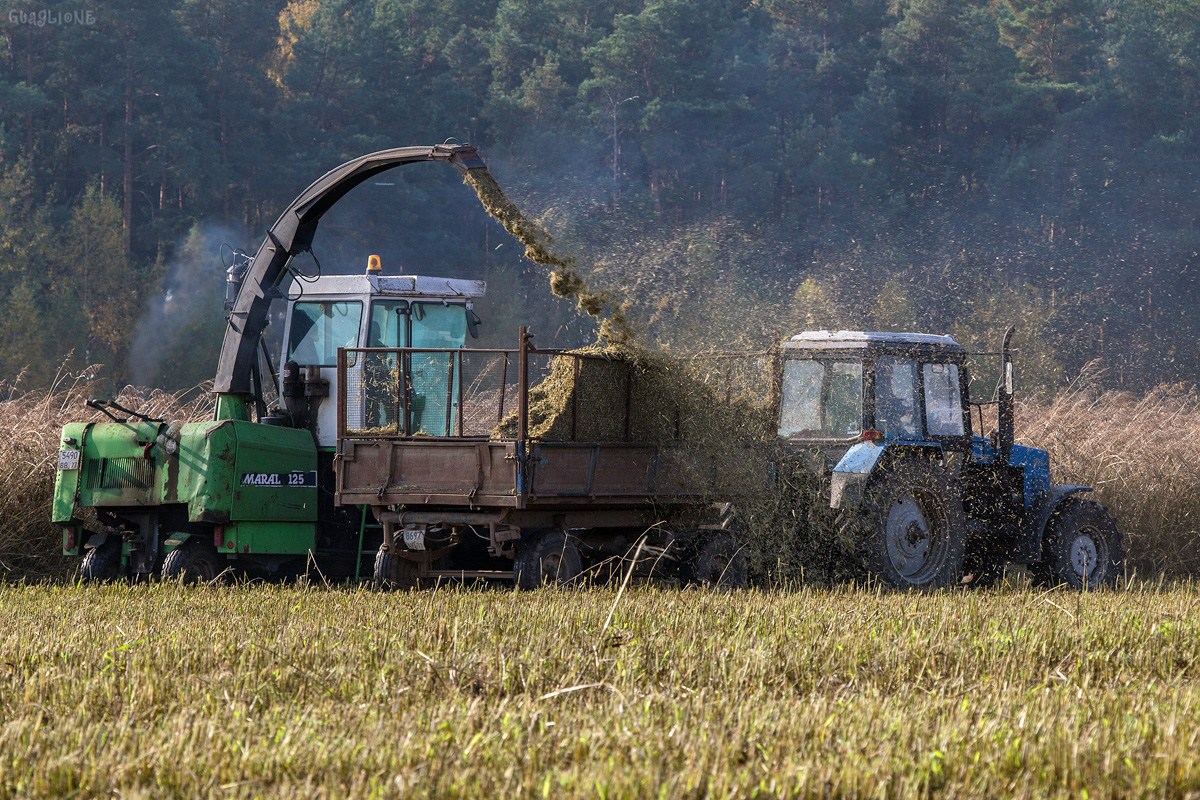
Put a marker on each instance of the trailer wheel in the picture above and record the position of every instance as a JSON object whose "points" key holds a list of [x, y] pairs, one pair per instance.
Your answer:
{"points": [[550, 557], [718, 562], [192, 562], [1082, 549], [102, 563], [393, 571], [910, 528]]}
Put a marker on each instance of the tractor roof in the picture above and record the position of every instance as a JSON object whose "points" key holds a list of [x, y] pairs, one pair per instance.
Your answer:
{"points": [[862, 340], [395, 286]]}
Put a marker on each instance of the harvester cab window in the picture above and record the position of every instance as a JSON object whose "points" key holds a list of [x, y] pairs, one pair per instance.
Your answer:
{"points": [[319, 328], [897, 414], [435, 325], [943, 401], [821, 399], [434, 383], [389, 324]]}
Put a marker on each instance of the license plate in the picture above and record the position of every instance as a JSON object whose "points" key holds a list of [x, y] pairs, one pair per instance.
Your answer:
{"points": [[68, 459]]}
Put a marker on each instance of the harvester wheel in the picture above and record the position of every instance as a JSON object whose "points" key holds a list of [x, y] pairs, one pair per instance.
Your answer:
{"points": [[718, 562], [102, 563], [393, 571], [550, 557], [1082, 549], [194, 561], [910, 528]]}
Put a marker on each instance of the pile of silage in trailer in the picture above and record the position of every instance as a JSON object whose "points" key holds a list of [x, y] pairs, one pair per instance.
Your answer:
{"points": [[713, 407]]}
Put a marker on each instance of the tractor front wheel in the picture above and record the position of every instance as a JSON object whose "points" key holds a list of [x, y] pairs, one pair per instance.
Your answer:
{"points": [[1082, 549], [910, 528]]}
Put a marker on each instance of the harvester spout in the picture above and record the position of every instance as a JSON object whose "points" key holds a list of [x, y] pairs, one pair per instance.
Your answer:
{"points": [[291, 235]]}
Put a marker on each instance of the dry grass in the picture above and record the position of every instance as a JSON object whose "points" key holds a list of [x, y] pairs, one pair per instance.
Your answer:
{"points": [[1141, 454], [159, 691], [30, 424]]}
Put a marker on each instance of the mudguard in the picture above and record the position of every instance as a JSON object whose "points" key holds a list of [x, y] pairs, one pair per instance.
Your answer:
{"points": [[1029, 548], [851, 473], [177, 540], [94, 540]]}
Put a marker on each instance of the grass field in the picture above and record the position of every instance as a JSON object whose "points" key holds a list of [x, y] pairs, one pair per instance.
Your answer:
{"points": [[161, 690]]}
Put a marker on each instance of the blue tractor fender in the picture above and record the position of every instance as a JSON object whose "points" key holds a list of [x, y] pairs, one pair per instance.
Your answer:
{"points": [[1029, 549], [850, 475]]}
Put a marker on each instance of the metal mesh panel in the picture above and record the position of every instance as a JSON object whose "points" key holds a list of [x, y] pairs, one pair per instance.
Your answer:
{"points": [[606, 397], [445, 393], [572, 396], [371, 387], [490, 391]]}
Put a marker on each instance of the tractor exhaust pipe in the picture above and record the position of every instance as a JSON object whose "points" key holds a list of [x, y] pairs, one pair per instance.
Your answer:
{"points": [[1004, 396], [235, 276]]}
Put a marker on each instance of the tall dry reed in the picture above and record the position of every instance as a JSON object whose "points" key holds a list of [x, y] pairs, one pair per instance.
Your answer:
{"points": [[1141, 455], [30, 424], [1138, 451]]}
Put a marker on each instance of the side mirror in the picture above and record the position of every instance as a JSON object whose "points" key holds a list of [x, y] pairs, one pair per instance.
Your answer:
{"points": [[473, 323]]}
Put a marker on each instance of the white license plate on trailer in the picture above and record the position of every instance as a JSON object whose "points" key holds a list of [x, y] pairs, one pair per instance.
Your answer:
{"points": [[68, 459]]}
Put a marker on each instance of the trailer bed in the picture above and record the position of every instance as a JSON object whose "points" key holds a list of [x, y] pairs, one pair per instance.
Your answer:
{"points": [[488, 474]]}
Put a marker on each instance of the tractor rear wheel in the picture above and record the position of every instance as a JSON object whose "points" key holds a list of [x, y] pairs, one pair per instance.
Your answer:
{"points": [[102, 563], [1082, 549], [718, 562], [194, 561], [550, 557], [910, 527]]}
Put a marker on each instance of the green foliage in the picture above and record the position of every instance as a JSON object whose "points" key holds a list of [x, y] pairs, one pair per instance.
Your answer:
{"points": [[927, 163]]}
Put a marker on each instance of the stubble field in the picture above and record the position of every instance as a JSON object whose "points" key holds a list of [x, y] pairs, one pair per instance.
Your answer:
{"points": [[163, 690]]}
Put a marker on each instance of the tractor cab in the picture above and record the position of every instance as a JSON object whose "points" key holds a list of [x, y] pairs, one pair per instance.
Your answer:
{"points": [[843, 387], [374, 311]]}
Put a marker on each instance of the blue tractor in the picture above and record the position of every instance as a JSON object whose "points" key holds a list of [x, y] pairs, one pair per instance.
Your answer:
{"points": [[885, 421]]}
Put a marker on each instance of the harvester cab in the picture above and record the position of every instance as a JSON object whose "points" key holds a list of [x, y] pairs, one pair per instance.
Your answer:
{"points": [[884, 421], [371, 310]]}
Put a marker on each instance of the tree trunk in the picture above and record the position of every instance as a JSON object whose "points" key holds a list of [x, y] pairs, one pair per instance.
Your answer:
{"points": [[103, 148], [29, 113], [127, 182]]}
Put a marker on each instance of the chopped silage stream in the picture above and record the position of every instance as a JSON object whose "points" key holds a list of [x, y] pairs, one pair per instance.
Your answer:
{"points": [[623, 391], [565, 278]]}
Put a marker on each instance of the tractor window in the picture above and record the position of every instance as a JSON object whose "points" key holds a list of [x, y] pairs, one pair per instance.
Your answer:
{"points": [[319, 328], [897, 414], [943, 402], [821, 399]]}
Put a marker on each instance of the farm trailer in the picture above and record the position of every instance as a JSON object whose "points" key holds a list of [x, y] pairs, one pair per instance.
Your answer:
{"points": [[486, 498]]}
